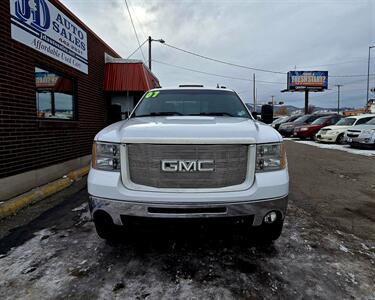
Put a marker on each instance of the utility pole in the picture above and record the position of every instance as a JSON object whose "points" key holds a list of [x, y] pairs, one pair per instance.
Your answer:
{"points": [[368, 72], [338, 97], [254, 95], [149, 52], [273, 101], [150, 40]]}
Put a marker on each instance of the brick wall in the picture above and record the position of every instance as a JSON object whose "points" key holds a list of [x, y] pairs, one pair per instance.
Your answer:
{"points": [[26, 142]]}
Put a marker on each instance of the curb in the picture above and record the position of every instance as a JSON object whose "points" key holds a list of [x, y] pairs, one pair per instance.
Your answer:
{"points": [[12, 206]]}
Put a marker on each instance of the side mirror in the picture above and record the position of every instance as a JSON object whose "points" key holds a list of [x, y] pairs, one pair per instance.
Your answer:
{"points": [[267, 114]]}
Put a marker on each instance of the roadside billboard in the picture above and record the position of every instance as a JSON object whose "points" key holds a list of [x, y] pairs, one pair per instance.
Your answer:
{"points": [[314, 80], [41, 26]]}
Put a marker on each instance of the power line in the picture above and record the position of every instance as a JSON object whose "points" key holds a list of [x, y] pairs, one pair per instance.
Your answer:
{"points": [[223, 62], [139, 47], [251, 68], [135, 15], [338, 63], [214, 74], [135, 31]]}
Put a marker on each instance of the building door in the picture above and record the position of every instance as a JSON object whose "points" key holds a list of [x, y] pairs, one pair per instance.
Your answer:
{"points": [[125, 101]]}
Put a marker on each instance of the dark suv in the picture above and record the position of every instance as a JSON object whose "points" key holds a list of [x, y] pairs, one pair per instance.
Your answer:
{"points": [[277, 123], [287, 129]]}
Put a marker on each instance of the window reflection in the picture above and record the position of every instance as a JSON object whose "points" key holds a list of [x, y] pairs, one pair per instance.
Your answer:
{"points": [[54, 95]]}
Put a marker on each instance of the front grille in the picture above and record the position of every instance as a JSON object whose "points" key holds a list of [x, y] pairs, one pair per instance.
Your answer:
{"points": [[353, 133], [145, 165]]}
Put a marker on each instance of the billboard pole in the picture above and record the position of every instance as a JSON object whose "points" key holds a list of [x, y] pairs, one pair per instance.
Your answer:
{"points": [[306, 101]]}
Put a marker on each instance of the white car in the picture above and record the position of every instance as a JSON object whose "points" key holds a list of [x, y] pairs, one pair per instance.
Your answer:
{"points": [[336, 133], [189, 153]]}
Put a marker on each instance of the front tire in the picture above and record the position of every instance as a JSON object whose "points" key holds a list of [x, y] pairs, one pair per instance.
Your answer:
{"points": [[105, 228], [340, 139], [267, 233]]}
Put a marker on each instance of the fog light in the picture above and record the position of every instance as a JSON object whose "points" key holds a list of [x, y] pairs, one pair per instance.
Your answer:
{"points": [[270, 217]]}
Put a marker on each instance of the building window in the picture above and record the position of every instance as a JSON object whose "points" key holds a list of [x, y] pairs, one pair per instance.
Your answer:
{"points": [[55, 97]]}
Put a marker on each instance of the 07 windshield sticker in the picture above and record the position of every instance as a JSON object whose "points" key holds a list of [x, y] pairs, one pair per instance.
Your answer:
{"points": [[152, 94]]}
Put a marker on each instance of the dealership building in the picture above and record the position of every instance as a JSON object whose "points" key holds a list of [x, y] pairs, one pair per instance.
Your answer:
{"points": [[59, 85]]}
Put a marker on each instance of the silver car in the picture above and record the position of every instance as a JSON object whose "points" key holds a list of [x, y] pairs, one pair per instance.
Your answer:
{"points": [[362, 135]]}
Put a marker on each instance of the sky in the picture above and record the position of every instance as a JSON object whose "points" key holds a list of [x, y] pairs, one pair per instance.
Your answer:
{"points": [[330, 35]]}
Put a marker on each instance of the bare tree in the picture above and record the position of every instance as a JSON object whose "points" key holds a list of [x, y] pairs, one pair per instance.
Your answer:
{"points": [[283, 111]]}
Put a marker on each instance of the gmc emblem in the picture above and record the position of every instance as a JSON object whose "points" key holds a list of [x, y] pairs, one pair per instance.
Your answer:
{"points": [[205, 165]]}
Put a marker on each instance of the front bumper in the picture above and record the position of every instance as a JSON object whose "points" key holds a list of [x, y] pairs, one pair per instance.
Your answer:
{"points": [[302, 134], [268, 192], [361, 142], [286, 131], [119, 210], [326, 138]]}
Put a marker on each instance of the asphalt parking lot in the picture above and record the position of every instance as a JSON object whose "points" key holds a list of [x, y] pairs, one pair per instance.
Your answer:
{"points": [[326, 251]]}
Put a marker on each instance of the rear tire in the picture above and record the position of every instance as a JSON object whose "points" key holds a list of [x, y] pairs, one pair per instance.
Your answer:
{"points": [[105, 228], [313, 137]]}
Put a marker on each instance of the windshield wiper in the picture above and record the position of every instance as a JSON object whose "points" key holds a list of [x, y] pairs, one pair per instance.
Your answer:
{"points": [[161, 113], [213, 114]]}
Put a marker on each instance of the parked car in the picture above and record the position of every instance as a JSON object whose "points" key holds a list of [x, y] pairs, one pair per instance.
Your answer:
{"points": [[335, 133], [287, 129], [310, 131], [362, 136], [189, 153], [276, 124]]}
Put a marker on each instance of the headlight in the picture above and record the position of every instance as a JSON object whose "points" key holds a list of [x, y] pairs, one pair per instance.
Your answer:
{"points": [[368, 131], [106, 156], [270, 157], [333, 132]]}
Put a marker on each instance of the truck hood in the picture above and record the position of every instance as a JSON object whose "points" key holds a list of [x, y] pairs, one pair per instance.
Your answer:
{"points": [[188, 129]]}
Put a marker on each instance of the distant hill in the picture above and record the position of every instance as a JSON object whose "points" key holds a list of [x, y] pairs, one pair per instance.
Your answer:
{"points": [[293, 109]]}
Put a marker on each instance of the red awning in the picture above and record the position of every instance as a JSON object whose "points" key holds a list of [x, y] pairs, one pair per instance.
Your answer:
{"points": [[122, 77]]}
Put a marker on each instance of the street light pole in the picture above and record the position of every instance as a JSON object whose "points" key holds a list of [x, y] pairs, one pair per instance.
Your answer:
{"points": [[368, 72], [150, 40], [149, 52], [338, 97]]}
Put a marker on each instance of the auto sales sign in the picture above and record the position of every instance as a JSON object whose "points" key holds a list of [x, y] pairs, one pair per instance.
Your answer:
{"points": [[315, 80], [41, 26]]}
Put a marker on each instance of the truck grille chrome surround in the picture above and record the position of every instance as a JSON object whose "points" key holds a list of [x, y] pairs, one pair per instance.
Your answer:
{"points": [[233, 167]]}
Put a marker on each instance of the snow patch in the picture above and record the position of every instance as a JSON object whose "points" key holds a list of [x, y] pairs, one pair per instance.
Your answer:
{"points": [[343, 248], [346, 148]]}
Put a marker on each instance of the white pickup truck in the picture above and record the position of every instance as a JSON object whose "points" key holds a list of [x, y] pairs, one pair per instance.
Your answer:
{"points": [[189, 152]]}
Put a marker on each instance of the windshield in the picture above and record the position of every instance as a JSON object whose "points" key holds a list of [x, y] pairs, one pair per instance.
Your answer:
{"points": [[320, 121], [345, 122], [191, 103], [371, 122], [302, 119], [293, 118], [281, 120]]}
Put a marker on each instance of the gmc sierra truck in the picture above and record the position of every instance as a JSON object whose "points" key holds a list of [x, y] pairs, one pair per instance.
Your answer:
{"points": [[189, 152]]}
